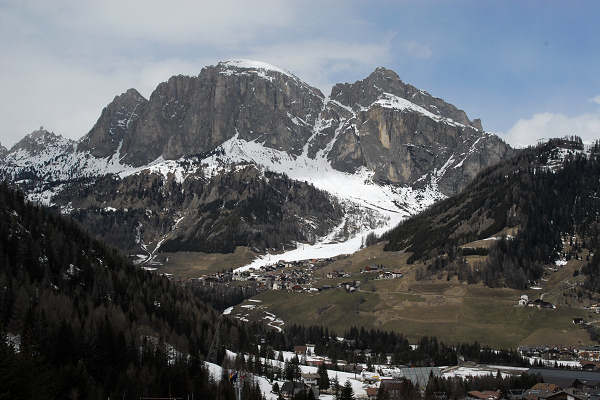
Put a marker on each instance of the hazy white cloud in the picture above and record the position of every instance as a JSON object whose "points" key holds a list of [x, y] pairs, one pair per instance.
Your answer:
{"points": [[416, 49], [177, 22], [595, 99], [548, 125]]}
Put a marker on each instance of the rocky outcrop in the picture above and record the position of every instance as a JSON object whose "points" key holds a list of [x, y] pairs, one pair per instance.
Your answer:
{"points": [[41, 142], [193, 115], [3, 151], [117, 122], [408, 137], [403, 134], [362, 94]]}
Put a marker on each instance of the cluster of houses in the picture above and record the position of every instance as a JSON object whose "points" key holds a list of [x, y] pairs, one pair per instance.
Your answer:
{"points": [[562, 385], [585, 357], [337, 274], [595, 308], [380, 272], [537, 303], [280, 276], [558, 384]]}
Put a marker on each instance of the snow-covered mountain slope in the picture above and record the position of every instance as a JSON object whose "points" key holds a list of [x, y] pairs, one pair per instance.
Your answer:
{"points": [[381, 150]]}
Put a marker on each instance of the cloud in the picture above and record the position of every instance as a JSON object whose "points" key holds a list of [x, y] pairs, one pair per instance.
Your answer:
{"points": [[548, 125], [317, 61], [416, 49], [174, 22], [595, 99]]}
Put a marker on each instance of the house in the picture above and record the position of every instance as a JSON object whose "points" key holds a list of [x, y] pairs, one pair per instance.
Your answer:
{"points": [[590, 353], [397, 274], [300, 350], [290, 389], [310, 349], [586, 385], [370, 268], [539, 303], [485, 395], [395, 388], [541, 391], [588, 365], [564, 395], [311, 379], [371, 393]]}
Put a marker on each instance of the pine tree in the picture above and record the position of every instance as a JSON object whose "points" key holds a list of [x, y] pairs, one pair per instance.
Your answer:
{"points": [[323, 377]]}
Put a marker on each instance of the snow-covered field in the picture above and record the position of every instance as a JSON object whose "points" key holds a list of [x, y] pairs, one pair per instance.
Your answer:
{"points": [[464, 372], [358, 386]]}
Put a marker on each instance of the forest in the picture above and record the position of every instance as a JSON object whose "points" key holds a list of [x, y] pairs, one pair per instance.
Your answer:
{"points": [[546, 203], [78, 320]]}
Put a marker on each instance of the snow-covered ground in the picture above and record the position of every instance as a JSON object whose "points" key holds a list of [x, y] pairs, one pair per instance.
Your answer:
{"points": [[372, 207], [358, 386], [464, 372], [551, 363]]}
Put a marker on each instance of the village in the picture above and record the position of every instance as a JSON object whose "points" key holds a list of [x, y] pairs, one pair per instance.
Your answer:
{"points": [[298, 276], [559, 374]]}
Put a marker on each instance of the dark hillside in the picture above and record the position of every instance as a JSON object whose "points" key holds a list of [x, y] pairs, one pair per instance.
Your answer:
{"points": [[79, 321], [547, 193]]}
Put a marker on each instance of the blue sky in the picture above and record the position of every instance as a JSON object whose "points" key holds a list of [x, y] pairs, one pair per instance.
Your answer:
{"points": [[528, 69]]}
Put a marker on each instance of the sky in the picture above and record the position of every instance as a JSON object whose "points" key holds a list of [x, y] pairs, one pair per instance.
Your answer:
{"points": [[528, 69]]}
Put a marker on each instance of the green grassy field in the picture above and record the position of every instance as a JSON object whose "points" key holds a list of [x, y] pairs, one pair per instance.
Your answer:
{"points": [[450, 310], [469, 314], [193, 264]]}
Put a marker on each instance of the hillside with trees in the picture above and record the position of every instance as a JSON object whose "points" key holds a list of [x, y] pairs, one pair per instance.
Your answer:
{"points": [[547, 194], [79, 321]]}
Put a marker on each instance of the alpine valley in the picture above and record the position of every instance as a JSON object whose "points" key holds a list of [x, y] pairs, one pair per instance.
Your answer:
{"points": [[247, 155], [240, 234]]}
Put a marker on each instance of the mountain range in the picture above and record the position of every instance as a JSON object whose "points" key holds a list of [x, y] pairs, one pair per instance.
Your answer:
{"points": [[248, 154]]}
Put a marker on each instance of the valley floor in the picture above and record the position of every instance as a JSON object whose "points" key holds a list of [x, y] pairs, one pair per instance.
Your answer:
{"points": [[451, 310]]}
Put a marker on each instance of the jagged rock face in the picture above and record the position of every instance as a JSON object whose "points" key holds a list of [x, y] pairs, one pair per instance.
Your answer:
{"points": [[403, 134], [193, 115], [362, 94], [407, 136], [117, 121], [3, 151], [39, 142]]}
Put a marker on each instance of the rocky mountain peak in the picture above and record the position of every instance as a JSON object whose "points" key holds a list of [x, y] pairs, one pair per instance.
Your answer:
{"points": [[253, 67], [382, 82], [189, 115], [117, 119], [41, 140]]}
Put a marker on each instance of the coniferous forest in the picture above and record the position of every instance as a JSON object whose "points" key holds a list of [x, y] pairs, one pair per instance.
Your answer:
{"points": [[91, 325], [79, 321], [546, 205]]}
